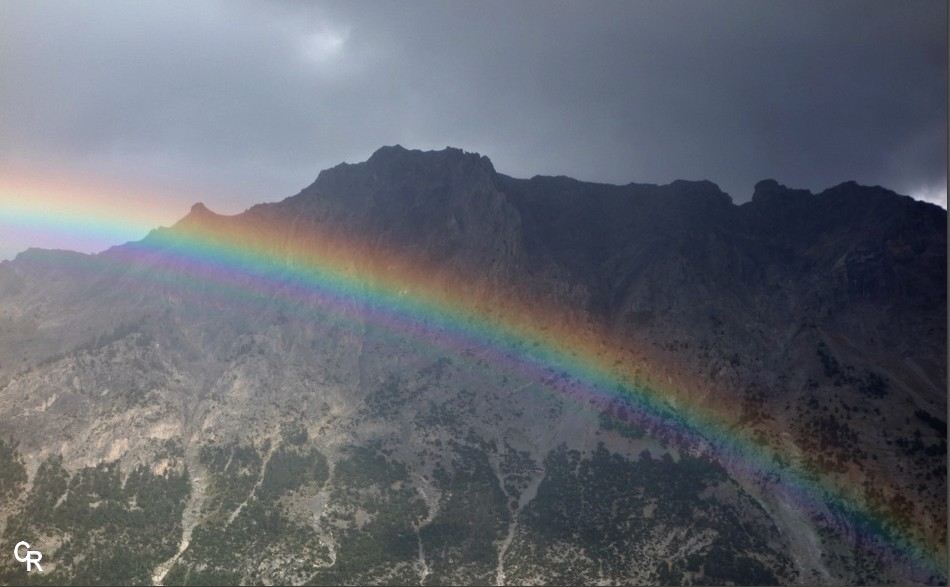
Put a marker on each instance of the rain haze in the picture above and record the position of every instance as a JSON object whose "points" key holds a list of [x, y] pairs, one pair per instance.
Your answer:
{"points": [[117, 116]]}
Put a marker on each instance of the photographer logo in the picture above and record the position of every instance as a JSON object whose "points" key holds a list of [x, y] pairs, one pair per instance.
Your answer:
{"points": [[33, 557]]}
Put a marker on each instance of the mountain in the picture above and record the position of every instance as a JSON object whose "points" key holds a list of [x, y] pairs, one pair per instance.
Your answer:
{"points": [[420, 370]]}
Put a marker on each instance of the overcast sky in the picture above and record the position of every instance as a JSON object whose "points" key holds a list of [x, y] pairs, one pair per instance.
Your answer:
{"points": [[233, 103]]}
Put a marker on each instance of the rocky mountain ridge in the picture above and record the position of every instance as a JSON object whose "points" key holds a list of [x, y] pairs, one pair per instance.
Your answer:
{"points": [[814, 323]]}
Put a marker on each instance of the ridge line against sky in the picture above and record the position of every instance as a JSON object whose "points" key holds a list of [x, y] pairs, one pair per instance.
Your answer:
{"points": [[150, 107]]}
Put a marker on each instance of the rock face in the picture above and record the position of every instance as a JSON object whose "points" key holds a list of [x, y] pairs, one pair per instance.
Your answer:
{"points": [[273, 397]]}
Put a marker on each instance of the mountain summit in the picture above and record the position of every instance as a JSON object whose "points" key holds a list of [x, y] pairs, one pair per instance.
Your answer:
{"points": [[418, 369]]}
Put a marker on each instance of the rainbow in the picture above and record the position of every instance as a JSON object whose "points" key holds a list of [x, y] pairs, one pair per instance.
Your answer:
{"points": [[56, 211], [245, 261]]}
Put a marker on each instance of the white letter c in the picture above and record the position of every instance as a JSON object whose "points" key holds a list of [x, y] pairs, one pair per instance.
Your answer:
{"points": [[16, 551]]}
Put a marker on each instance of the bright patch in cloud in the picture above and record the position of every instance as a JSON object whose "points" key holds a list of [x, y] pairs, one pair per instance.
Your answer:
{"points": [[935, 194], [324, 44]]}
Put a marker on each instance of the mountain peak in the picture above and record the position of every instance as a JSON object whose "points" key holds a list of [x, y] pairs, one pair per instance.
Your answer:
{"points": [[388, 151], [198, 216], [397, 154], [769, 190], [395, 168]]}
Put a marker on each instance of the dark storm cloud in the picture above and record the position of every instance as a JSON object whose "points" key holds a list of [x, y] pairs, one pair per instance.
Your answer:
{"points": [[246, 102]]}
